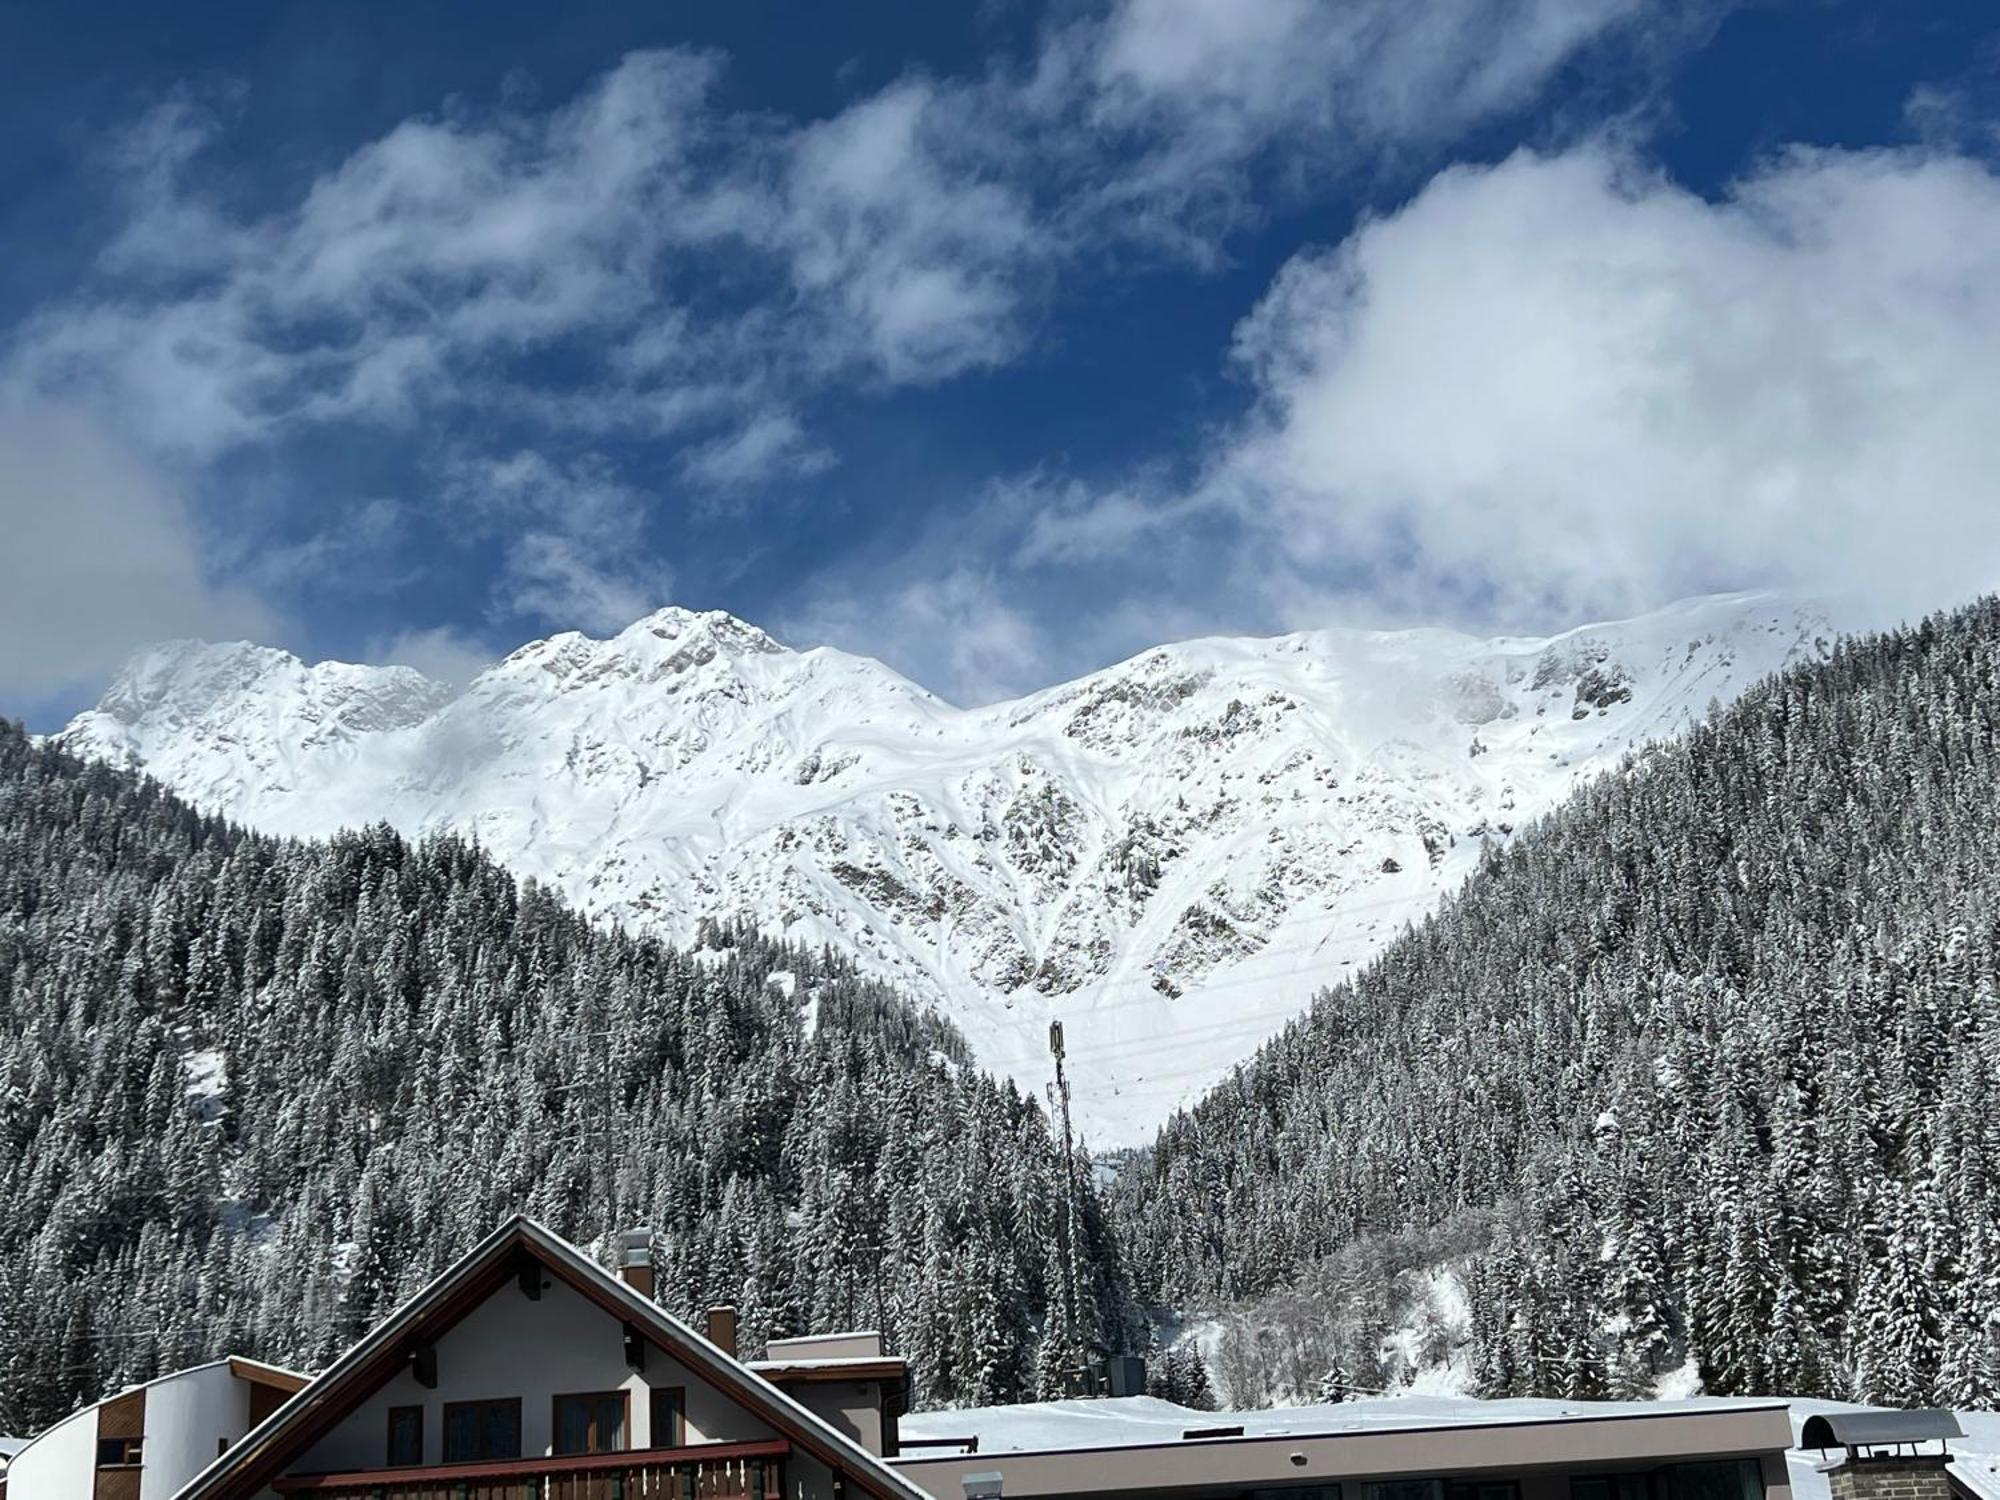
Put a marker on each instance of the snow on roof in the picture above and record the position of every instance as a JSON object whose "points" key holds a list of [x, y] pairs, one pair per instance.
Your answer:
{"points": [[1131, 1421], [1975, 1458]]}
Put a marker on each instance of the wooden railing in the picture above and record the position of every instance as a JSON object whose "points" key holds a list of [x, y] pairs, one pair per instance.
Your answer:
{"points": [[710, 1471]]}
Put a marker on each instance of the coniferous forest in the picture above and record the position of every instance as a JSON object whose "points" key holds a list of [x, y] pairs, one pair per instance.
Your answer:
{"points": [[254, 1092], [1702, 1072], [1705, 1067]]}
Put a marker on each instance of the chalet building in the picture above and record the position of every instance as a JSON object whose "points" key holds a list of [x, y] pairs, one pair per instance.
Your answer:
{"points": [[147, 1442], [527, 1372]]}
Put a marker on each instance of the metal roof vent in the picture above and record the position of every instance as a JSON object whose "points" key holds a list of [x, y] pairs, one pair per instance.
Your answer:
{"points": [[983, 1486], [1858, 1430], [635, 1260]]}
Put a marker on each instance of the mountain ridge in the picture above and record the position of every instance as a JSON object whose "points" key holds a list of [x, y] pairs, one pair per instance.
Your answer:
{"points": [[1172, 853]]}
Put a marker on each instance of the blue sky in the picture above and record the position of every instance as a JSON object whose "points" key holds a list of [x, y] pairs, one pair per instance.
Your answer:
{"points": [[997, 341]]}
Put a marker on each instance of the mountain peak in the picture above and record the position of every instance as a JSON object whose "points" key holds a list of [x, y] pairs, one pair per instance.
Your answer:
{"points": [[1174, 852], [716, 627]]}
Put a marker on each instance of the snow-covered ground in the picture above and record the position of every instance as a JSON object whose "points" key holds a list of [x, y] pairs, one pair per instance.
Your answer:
{"points": [[1126, 1421], [1171, 854]]}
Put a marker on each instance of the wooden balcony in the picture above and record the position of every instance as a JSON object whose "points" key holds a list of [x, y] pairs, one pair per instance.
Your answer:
{"points": [[709, 1471]]}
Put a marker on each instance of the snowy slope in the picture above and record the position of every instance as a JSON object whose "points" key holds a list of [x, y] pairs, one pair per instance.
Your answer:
{"points": [[1171, 854]]}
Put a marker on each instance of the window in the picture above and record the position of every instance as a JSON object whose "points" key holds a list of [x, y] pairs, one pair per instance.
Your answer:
{"points": [[593, 1423], [670, 1422], [1452, 1489], [479, 1430], [1402, 1489], [1732, 1479], [119, 1452], [406, 1436], [1740, 1479]]}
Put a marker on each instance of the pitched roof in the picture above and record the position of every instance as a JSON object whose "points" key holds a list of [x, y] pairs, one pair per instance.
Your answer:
{"points": [[363, 1369]]}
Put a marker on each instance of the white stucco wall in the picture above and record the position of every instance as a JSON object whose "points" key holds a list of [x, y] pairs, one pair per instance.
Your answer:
{"points": [[186, 1416], [561, 1344], [60, 1464], [851, 1407], [186, 1413]]}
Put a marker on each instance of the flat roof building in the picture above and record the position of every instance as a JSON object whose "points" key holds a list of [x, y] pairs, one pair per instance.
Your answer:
{"points": [[1407, 1448]]}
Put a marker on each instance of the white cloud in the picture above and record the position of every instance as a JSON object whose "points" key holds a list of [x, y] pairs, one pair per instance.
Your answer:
{"points": [[551, 578], [909, 237], [956, 630], [1563, 386], [1205, 94], [895, 211], [641, 262], [440, 652], [98, 556], [575, 553], [771, 446]]}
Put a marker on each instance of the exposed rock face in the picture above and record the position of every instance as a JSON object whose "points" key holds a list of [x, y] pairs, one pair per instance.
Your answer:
{"points": [[1172, 853]]}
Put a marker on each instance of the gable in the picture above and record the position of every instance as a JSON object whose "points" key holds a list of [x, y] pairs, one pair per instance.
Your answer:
{"points": [[512, 1348], [588, 1315]]}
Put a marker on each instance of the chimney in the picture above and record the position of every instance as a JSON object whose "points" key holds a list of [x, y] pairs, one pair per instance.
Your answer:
{"points": [[635, 1260], [1880, 1476], [720, 1326]]}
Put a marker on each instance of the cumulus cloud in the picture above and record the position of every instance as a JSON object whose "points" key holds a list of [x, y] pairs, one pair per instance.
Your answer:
{"points": [[642, 265], [1564, 387], [771, 446], [574, 554], [1567, 380], [553, 579], [440, 652], [909, 237], [99, 553], [958, 629]]}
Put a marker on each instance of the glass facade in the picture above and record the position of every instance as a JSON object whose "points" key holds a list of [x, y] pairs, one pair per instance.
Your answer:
{"points": [[1442, 1489], [1730, 1479]]}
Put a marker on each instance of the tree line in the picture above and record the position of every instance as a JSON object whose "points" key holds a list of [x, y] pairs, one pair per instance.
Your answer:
{"points": [[1709, 1059], [254, 1092]]}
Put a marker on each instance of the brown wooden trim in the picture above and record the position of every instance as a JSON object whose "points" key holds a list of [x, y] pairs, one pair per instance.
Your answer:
{"points": [[624, 1395], [444, 1424], [521, 1468], [256, 1374], [123, 1416]]}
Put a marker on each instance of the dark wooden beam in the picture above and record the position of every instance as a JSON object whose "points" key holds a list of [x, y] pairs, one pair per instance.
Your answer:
{"points": [[424, 1363]]}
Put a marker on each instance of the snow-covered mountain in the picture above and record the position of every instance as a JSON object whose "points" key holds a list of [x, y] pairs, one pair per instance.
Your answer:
{"points": [[1170, 854]]}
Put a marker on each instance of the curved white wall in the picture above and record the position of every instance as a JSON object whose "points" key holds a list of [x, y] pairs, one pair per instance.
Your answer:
{"points": [[61, 1464], [187, 1414]]}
